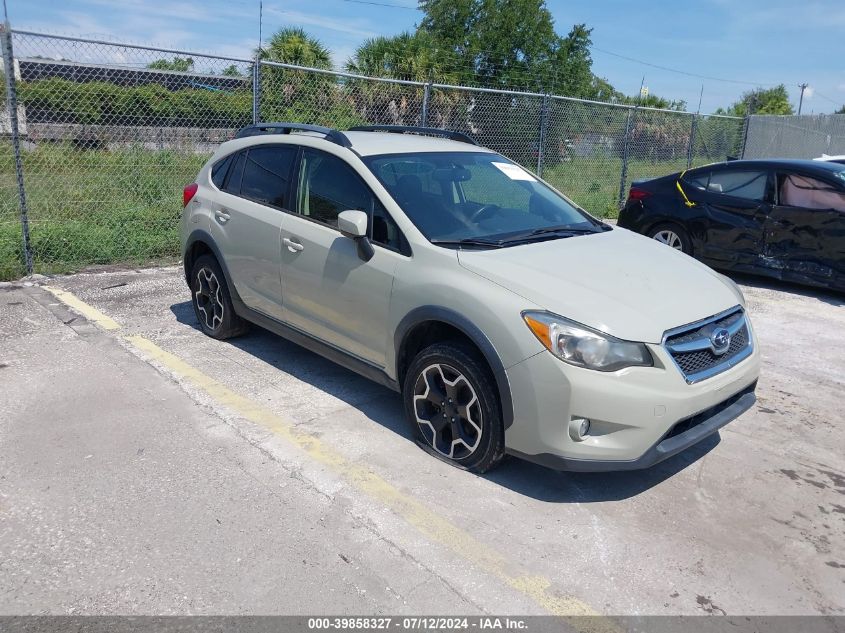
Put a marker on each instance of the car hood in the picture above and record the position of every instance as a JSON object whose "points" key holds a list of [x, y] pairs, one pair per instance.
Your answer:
{"points": [[618, 282]]}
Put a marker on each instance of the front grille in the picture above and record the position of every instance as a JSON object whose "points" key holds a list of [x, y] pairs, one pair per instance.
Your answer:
{"points": [[694, 362], [693, 352]]}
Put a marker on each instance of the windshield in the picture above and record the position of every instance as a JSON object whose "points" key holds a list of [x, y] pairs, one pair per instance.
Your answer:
{"points": [[474, 198]]}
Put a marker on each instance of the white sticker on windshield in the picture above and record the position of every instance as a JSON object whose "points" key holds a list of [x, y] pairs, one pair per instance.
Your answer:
{"points": [[514, 172]]}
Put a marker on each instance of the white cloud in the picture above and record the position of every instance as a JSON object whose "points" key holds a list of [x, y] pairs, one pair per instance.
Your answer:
{"points": [[357, 27]]}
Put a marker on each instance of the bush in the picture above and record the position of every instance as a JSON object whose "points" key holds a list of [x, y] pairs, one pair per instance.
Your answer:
{"points": [[101, 103]]}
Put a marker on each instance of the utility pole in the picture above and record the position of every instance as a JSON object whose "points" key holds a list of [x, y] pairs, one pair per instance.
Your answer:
{"points": [[260, 23], [803, 87]]}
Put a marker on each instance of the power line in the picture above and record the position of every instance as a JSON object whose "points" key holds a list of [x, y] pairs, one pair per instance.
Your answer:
{"points": [[826, 98], [382, 4], [675, 70]]}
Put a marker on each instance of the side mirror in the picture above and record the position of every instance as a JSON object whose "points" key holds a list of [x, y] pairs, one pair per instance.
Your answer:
{"points": [[353, 224]]}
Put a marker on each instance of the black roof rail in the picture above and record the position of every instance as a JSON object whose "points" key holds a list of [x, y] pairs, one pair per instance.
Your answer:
{"points": [[422, 131], [258, 129]]}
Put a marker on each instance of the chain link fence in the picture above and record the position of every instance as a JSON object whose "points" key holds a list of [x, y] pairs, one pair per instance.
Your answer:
{"points": [[806, 136], [109, 133]]}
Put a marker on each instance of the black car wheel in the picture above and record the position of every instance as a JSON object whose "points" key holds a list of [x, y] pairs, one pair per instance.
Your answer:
{"points": [[212, 301], [673, 236], [451, 403]]}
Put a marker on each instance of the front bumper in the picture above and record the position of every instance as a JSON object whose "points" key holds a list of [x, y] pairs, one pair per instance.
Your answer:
{"points": [[700, 426], [639, 416]]}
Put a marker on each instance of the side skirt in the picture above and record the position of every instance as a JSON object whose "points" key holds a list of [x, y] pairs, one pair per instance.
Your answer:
{"points": [[352, 363]]}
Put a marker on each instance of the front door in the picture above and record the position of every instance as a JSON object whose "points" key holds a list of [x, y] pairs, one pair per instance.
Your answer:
{"points": [[248, 220], [329, 291], [805, 232]]}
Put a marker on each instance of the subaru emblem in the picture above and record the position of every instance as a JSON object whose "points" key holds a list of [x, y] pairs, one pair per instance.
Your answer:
{"points": [[720, 339]]}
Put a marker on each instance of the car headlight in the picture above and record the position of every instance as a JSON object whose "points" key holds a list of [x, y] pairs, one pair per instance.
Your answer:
{"points": [[580, 346]]}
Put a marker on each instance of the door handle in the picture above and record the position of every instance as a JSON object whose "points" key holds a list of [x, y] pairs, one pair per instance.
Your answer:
{"points": [[293, 247], [222, 216]]}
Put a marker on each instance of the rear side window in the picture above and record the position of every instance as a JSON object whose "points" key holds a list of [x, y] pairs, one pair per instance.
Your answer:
{"points": [[266, 176], [747, 184], [219, 171], [232, 183]]}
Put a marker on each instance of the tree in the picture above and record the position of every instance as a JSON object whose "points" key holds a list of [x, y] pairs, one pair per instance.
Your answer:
{"points": [[295, 95], [572, 65], [407, 56], [181, 64], [653, 101], [761, 101], [495, 43], [292, 45], [840, 110], [231, 71]]}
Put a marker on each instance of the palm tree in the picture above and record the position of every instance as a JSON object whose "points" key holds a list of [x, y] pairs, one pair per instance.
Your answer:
{"points": [[407, 56], [292, 45], [296, 95]]}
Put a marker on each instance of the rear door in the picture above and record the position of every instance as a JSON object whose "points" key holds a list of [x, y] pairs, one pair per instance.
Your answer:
{"points": [[736, 202], [248, 219], [805, 232]]}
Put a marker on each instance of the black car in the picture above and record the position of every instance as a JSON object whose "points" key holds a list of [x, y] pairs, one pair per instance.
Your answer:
{"points": [[780, 218]]}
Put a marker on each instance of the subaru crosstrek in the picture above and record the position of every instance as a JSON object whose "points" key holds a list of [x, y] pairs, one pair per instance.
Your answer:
{"points": [[510, 320]]}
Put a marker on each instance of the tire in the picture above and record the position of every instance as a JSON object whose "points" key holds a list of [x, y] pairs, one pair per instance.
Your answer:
{"points": [[462, 424], [672, 235], [212, 301]]}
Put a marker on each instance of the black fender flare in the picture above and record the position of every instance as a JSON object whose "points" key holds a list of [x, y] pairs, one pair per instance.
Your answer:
{"points": [[473, 333], [201, 235]]}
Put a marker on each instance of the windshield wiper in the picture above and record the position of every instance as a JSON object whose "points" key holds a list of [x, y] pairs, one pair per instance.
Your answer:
{"points": [[470, 241], [550, 231]]}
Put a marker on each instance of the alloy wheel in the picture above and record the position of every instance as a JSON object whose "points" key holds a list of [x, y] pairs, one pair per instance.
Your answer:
{"points": [[209, 298], [670, 238], [448, 411]]}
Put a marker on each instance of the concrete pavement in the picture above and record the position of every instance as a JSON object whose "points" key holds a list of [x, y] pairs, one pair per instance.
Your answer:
{"points": [[197, 488]]}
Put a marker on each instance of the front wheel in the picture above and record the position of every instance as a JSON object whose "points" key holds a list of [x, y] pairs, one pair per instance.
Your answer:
{"points": [[451, 403], [672, 235]]}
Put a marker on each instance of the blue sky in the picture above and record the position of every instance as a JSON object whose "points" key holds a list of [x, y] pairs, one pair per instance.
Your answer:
{"points": [[754, 41]]}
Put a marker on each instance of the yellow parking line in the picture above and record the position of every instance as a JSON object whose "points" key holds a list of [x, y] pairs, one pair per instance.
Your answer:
{"points": [[432, 525], [89, 312], [435, 527]]}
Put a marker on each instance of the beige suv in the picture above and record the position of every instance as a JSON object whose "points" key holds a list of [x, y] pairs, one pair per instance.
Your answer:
{"points": [[510, 319]]}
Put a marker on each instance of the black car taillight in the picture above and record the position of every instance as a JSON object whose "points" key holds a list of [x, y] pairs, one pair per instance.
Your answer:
{"points": [[638, 194]]}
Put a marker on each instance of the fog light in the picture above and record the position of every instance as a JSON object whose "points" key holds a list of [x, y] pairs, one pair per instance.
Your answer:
{"points": [[579, 428]]}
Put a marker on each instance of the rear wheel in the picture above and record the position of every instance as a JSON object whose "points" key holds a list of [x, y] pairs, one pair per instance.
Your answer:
{"points": [[212, 301], [451, 403], [673, 236]]}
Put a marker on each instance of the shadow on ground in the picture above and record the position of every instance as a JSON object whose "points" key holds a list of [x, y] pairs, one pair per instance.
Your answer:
{"points": [[385, 407], [826, 296]]}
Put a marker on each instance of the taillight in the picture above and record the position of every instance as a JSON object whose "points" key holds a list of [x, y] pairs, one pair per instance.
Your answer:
{"points": [[188, 193], [638, 194]]}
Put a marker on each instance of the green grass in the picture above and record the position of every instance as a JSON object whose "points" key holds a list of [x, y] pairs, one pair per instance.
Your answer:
{"points": [[93, 207], [106, 207], [593, 182]]}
